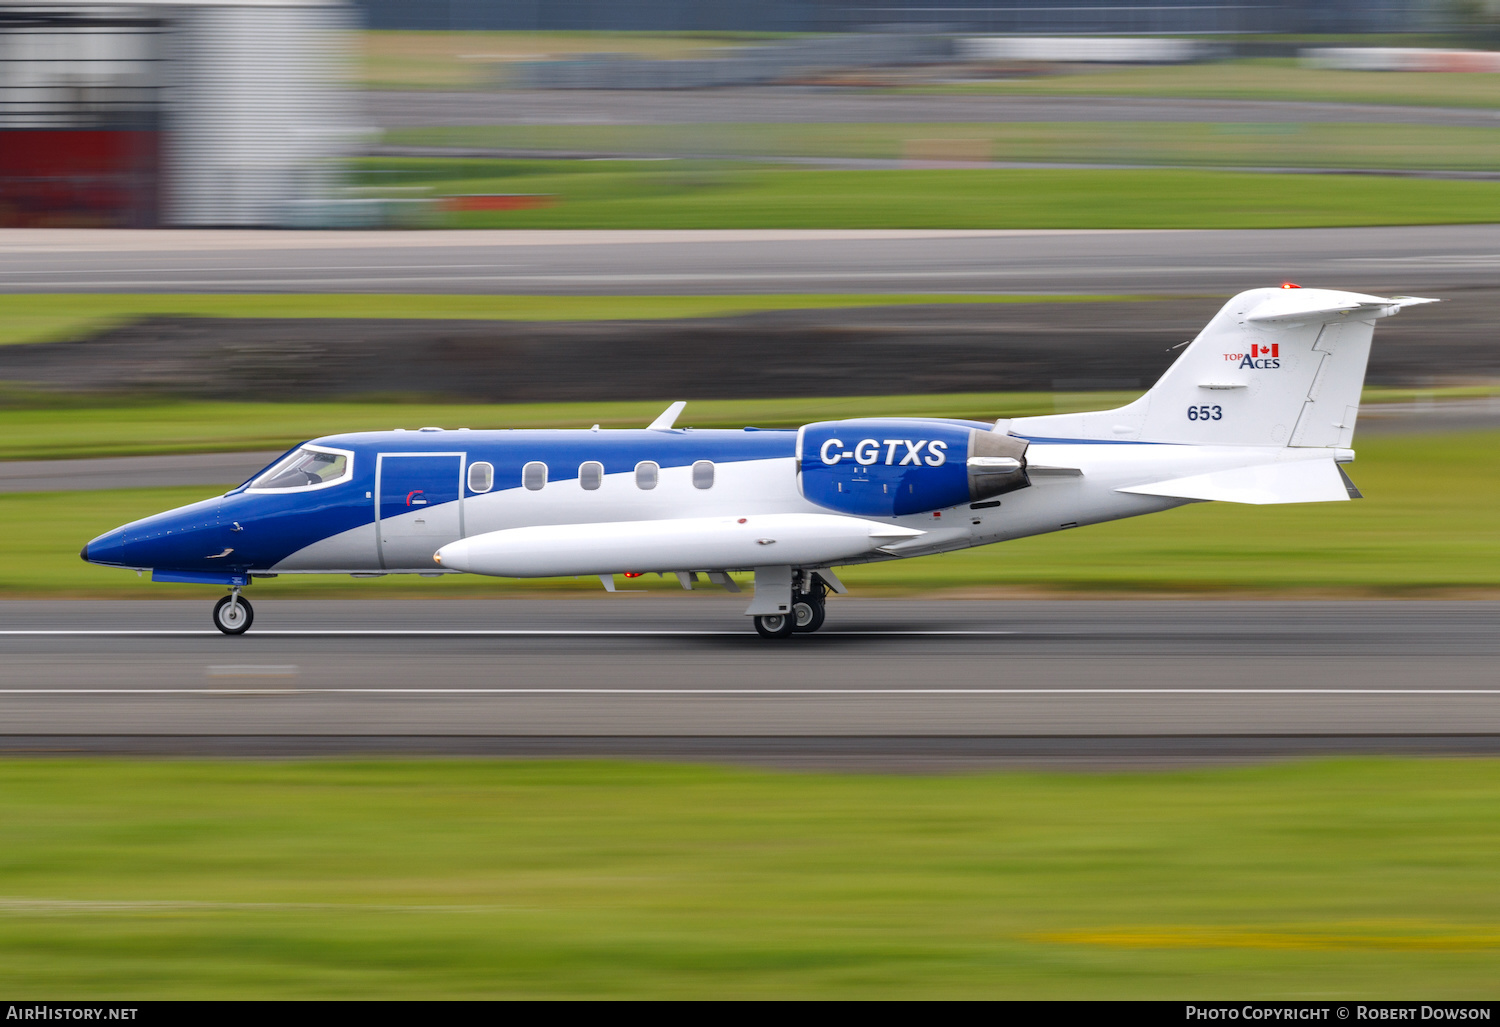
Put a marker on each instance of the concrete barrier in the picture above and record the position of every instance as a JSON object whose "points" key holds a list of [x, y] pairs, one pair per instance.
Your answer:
{"points": [[1084, 49], [1399, 58]]}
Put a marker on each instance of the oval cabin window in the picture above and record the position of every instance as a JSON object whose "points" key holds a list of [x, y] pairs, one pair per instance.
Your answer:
{"points": [[703, 474], [534, 475], [591, 474], [481, 477], [646, 475]]}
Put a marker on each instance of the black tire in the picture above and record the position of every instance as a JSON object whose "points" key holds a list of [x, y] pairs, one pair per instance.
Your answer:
{"points": [[237, 624], [807, 614], [777, 625]]}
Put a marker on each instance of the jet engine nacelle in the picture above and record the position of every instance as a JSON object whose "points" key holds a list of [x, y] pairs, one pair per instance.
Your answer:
{"points": [[893, 467]]}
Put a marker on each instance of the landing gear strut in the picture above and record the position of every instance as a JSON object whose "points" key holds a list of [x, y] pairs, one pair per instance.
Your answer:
{"points": [[808, 606], [233, 614]]}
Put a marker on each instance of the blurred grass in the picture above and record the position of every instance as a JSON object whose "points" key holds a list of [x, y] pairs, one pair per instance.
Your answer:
{"points": [[393, 59], [1250, 79], [1242, 144], [1430, 526], [63, 426], [214, 426], [623, 194], [43, 317], [477, 61], [1368, 879]]}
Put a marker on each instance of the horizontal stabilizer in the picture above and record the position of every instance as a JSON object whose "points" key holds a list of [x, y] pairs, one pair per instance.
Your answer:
{"points": [[1301, 481], [1275, 368], [1324, 304]]}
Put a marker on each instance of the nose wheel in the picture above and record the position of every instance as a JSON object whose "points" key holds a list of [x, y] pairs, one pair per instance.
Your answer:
{"points": [[233, 614]]}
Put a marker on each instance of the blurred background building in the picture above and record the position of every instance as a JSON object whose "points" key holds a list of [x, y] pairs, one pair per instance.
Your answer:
{"points": [[207, 113], [242, 113]]}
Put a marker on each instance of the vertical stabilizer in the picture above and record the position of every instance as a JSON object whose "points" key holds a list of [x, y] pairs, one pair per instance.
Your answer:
{"points": [[1275, 367]]}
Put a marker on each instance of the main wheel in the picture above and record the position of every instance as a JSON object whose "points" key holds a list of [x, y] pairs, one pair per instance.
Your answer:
{"points": [[807, 614], [231, 617], [777, 625]]}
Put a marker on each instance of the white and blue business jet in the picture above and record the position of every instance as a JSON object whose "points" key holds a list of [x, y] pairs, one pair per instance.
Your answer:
{"points": [[1259, 408]]}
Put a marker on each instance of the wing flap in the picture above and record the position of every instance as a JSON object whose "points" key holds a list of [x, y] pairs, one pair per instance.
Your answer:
{"points": [[1301, 481]]}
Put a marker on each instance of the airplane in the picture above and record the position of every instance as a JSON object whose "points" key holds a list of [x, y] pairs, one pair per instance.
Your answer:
{"points": [[1259, 408]]}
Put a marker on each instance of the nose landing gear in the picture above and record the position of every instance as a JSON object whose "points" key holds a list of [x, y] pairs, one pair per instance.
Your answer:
{"points": [[233, 614]]}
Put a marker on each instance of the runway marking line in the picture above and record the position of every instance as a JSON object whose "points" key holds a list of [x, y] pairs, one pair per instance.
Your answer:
{"points": [[774, 691], [251, 670], [457, 632]]}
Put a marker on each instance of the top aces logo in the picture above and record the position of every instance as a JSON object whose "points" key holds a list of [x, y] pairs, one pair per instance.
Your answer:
{"points": [[1260, 357]]}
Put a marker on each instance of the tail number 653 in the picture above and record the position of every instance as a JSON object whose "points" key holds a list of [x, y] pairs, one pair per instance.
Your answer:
{"points": [[1205, 413]]}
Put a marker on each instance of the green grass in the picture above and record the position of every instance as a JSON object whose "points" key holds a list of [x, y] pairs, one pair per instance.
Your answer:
{"points": [[1281, 144], [1429, 527], [63, 427], [478, 60], [44, 317], [1368, 879], [1265, 79], [213, 427], [624, 194]]}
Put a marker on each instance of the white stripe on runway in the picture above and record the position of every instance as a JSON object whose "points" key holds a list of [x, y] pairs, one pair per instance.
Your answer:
{"points": [[462, 632], [710, 692]]}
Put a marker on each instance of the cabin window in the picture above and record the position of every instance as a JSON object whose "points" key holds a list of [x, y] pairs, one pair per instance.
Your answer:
{"points": [[703, 474], [309, 467], [534, 475], [481, 477], [591, 474], [646, 475]]}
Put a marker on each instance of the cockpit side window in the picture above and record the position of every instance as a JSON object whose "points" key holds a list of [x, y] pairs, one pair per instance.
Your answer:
{"points": [[310, 467]]}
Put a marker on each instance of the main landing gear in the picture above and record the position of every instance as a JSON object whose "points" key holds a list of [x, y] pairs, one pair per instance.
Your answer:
{"points": [[778, 625], [233, 614], [808, 611]]}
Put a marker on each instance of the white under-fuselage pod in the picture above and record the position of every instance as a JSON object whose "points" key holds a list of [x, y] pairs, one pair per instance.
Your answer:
{"points": [[685, 544]]}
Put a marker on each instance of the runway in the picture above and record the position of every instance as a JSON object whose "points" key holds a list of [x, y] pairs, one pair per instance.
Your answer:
{"points": [[790, 105], [131, 472], [684, 675], [1409, 259]]}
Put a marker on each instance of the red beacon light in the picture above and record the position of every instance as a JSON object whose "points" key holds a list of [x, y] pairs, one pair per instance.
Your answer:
{"points": [[1290, 285]]}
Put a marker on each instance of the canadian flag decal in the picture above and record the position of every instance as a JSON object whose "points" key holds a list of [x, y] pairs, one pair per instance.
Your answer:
{"points": [[1257, 350]]}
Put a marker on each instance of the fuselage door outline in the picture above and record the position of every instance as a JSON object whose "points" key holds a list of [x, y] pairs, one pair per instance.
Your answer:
{"points": [[415, 499]]}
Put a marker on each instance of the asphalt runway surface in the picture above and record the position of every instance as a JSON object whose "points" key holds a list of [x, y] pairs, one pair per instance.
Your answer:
{"points": [[131, 472], [790, 105], [685, 676], [1403, 260]]}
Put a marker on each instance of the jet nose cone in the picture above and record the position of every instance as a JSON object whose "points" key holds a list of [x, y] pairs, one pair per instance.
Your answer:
{"points": [[108, 548]]}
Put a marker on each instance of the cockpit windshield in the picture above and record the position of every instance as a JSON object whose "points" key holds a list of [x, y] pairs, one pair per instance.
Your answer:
{"points": [[306, 467]]}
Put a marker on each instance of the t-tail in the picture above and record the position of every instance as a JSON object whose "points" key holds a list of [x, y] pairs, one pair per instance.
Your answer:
{"points": [[1277, 369]]}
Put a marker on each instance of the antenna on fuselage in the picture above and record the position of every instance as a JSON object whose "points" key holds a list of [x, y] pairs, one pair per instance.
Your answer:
{"points": [[668, 417]]}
